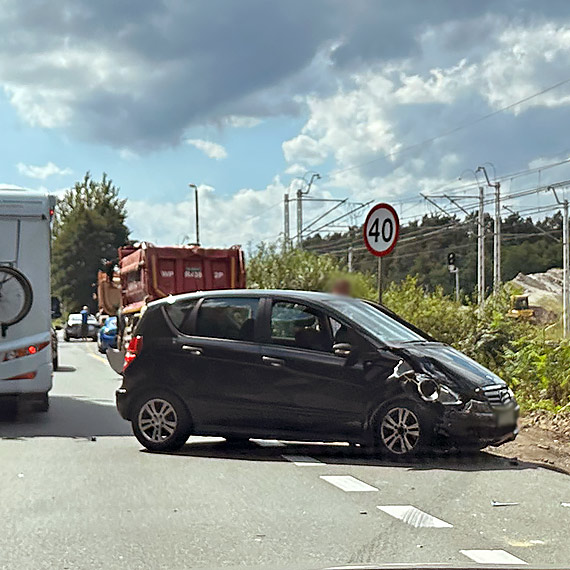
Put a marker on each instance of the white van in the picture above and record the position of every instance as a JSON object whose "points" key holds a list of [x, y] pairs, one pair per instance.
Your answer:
{"points": [[25, 300]]}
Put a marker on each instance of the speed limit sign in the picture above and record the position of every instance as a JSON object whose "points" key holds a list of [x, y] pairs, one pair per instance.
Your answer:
{"points": [[381, 230]]}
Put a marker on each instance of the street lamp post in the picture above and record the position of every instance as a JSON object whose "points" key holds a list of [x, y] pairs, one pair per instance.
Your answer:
{"points": [[197, 216]]}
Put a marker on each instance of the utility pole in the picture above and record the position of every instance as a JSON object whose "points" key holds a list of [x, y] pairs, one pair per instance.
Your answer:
{"points": [[565, 265], [197, 216], [496, 232], [300, 193], [481, 249], [286, 222], [299, 217], [350, 250]]}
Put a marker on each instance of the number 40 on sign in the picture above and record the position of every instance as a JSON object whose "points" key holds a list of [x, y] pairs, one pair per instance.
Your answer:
{"points": [[381, 230]]}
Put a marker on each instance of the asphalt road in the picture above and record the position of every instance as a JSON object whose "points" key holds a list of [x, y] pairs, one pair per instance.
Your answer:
{"points": [[71, 502]]}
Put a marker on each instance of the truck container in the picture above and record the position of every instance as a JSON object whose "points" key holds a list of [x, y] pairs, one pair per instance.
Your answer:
{"points": [[147, 272]]}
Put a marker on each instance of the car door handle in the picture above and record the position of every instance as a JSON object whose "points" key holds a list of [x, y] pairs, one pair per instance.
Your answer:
{"points": [[192, 349], [272, 361]]}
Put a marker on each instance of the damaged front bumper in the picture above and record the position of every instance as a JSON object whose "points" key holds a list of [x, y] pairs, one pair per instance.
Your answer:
{"points": [[479, 423]]}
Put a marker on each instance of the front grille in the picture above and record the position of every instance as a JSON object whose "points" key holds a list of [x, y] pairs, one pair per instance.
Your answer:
{"points": [[498, 395]]}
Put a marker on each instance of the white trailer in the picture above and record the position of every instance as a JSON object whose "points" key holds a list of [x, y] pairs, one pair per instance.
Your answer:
{"points": [[25, 299]]}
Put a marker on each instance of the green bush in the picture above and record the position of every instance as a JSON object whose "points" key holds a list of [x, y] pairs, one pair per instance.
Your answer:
{"points": [[272, 268]]}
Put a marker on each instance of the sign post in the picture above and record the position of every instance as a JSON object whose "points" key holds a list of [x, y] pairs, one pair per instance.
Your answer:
{"points": [[381, 230]]}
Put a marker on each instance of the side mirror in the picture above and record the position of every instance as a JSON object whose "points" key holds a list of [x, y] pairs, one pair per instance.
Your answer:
{"points": [[342, 349]]}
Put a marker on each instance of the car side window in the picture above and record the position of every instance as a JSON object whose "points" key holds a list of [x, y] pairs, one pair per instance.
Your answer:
{"points": [[179, 313], [344, 334], [296, 325], [228, 318]]}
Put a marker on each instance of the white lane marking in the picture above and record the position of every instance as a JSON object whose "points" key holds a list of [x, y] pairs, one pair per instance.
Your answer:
{"points": [[268, 442], [414, 517], [302, 460], [348, 483], [492, 557]]}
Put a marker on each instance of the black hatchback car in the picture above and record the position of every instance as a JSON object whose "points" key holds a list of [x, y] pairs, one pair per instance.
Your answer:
{"points": [[307, 366]]}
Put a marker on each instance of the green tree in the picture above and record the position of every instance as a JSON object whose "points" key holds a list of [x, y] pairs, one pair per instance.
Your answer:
{"points": [[89, 225], [269, 267]]}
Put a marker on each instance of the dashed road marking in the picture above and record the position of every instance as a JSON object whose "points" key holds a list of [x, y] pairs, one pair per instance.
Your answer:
{"points": [[268, 442], [492, 557], [302, 460], [414, 517], [348, 483]]}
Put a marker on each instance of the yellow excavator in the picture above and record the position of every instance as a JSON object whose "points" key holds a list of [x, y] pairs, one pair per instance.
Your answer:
{"points": [[520, 308]]}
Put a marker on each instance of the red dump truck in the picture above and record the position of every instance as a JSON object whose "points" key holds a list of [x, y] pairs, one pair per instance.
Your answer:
{"points": [[147, 272]]}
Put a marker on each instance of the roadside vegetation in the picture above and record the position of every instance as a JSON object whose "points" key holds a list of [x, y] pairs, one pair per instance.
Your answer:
{"points": [[89, 226], [536, 368]]}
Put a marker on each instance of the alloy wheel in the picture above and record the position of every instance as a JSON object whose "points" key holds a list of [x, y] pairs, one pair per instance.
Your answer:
{"points": [[157, 420], [400, 430]]}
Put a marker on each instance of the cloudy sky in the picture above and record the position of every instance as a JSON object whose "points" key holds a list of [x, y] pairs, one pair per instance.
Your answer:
{"points": [[242, 97]]}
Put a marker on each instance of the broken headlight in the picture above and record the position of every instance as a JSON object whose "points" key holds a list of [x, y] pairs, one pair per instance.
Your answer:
{"points": [[429, 389]]}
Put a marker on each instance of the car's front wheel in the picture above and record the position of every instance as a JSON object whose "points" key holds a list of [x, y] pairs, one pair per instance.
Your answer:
{"points": [[403, 429], [161, 422]]}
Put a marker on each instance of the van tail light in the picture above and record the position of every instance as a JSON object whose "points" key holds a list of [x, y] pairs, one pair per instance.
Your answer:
{"points": [[24, 351], [26, 376], [133, 350]]}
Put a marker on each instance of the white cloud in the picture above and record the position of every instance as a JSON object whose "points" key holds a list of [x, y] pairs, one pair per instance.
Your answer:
{"points": [[210, 149], [296, 169], [127, 154], [304, 149], [42, 172], [249, 215], [242, 121]]}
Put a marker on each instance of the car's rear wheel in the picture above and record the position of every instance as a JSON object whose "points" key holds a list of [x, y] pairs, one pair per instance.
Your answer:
{"points": [[403, 429], [161, 422], [66, 337]]}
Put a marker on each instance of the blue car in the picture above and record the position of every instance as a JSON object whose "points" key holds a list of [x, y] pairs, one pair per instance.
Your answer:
{"points": [[107, 335]]}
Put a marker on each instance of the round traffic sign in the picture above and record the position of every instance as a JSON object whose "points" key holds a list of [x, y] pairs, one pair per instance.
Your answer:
{"points": [[381, 230]]}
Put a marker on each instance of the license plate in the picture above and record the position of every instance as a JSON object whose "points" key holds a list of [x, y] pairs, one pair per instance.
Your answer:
{"points": [[506, 418]]}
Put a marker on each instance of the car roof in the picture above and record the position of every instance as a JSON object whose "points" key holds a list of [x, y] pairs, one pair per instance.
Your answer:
{"points": [[317, 296]]}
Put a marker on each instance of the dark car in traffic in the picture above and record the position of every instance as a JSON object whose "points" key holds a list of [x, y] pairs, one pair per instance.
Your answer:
{"points": [[299, 365]]}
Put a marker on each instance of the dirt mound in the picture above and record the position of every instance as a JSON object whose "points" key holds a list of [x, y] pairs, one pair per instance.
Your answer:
{"points": [[544, 438], [542, 288]]}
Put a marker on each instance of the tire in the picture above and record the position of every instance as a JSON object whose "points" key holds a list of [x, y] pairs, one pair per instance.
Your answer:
{"points": [[42, 405], [403, 428], [66, 338], [171, 414], [26, 288]]}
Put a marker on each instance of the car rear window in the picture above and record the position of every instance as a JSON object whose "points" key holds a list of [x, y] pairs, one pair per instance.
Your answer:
{"points": [[229, 318], [179, 313]]}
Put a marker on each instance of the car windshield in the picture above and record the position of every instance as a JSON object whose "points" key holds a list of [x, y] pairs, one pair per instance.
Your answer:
{"points": [[374, 321]]}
